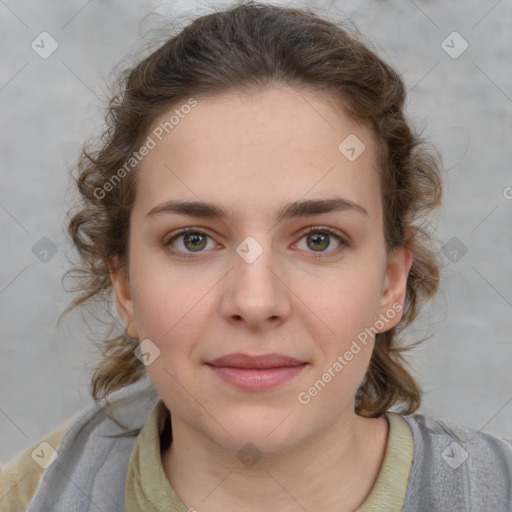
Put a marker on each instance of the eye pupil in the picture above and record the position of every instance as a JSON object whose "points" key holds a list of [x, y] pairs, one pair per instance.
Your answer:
{"points": [[317, 237], [194, 238]]}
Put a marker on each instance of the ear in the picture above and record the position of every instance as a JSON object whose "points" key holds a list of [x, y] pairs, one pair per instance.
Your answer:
{"points": [[394, 287], [124, 303]]}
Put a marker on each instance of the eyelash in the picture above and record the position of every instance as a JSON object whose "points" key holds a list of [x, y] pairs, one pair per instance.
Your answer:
{"points": [[313, 229]]}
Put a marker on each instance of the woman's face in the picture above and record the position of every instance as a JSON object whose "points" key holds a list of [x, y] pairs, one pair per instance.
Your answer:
{"points": [[254, 282]]}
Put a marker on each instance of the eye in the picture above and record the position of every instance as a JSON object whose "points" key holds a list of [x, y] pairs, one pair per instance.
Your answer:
{"points": [[319, 238], [193, 241]]}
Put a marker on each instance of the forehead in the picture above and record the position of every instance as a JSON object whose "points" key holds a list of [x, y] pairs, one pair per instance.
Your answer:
{"points": [[253, 152]]}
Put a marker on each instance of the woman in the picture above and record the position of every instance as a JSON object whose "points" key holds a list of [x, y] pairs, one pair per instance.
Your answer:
{"points": [[255, 207]]}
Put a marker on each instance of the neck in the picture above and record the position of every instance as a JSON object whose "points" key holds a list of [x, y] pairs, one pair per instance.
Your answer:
{"points": [[334, 471]]}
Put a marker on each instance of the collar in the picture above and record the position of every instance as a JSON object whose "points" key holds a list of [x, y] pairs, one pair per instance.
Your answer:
{"points": [[147, 487]]}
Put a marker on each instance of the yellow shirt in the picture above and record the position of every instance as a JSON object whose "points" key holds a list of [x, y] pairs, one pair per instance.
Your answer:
{"points": [[20, 477], [148, 489]]}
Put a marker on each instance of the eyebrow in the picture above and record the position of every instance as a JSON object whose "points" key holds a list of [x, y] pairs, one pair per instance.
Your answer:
{"points": [[291, 210]]}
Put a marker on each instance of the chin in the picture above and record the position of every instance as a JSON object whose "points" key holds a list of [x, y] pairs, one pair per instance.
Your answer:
{"points": [[269, 433]]}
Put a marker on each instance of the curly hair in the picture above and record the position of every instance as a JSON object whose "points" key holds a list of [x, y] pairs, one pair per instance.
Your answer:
{"points": [[254, 45]]}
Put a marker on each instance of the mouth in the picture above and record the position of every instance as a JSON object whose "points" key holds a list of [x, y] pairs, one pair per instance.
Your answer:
{"points": [[256, 372]]}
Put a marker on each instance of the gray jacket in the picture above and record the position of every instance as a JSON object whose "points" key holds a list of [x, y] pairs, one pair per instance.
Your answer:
{"points": [[454, 468]]}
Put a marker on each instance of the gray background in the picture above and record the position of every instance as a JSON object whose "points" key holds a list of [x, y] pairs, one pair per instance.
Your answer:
{"points": [[50, 106]]}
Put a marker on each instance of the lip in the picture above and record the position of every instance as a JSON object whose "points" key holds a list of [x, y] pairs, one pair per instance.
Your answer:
{"points": [[256, 372], [263, 361]]}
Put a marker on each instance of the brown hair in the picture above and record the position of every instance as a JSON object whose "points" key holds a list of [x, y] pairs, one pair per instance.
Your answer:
{"points": [[254, 45]]}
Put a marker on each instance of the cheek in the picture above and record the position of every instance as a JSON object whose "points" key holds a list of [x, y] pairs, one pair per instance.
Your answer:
{"points": [[348, 308], [164, 305], [162, 293], [173, 310], [346, 303]]}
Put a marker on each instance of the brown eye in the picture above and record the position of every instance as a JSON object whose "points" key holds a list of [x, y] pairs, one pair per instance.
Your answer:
{"points": [[192, 241], [318, 239]]}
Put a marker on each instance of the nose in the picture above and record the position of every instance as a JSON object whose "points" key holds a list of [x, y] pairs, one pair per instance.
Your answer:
{"points": [[255, 290]]}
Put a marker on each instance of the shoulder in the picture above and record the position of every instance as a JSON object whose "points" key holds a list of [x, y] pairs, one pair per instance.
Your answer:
{"points": [[437, 431], [457, 466], [92, 450], [20, 477]]}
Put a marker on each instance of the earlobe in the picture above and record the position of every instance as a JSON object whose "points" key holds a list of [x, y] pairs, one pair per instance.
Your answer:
{"points": [[122, 293]]}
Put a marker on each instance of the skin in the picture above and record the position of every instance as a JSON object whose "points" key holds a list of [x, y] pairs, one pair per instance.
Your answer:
{"points": [[254, 153]]}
